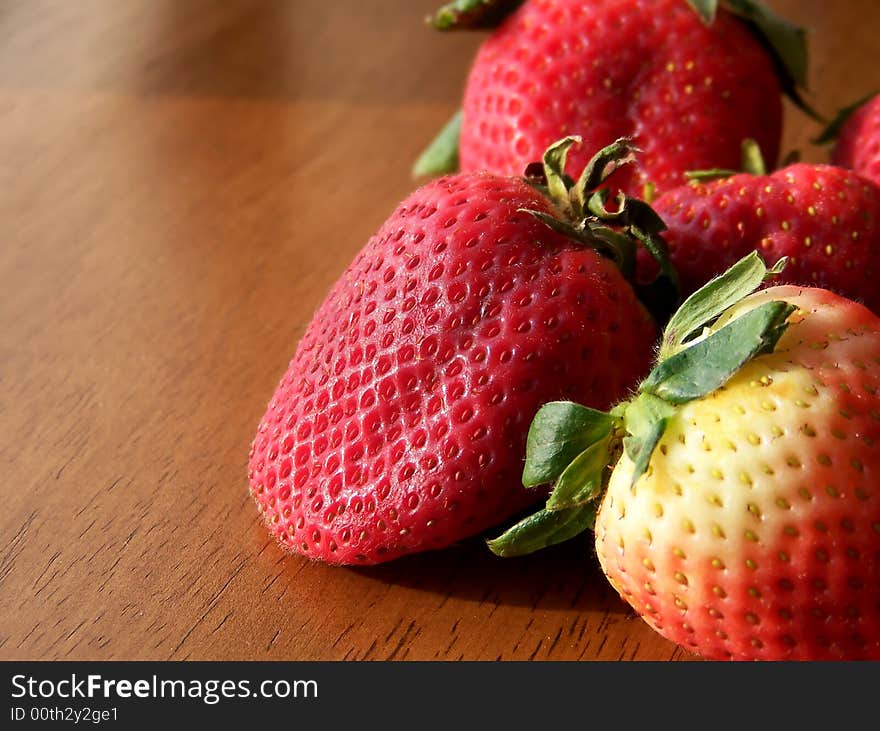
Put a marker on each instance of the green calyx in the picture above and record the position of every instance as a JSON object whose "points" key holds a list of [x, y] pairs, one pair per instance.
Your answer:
{"points": [[581, 209], [583, 214], [472, 14], [441, 155], [574, 448], [785, 42]]}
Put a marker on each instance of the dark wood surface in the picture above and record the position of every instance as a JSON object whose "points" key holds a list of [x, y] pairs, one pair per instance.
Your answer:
{"points": [[181, 183]]}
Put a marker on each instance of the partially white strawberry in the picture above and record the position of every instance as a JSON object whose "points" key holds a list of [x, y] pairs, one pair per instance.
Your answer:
{"points": [[742, 517]]}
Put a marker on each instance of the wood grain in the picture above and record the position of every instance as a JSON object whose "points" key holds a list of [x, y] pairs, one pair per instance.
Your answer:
{"points": [[181, 183]]}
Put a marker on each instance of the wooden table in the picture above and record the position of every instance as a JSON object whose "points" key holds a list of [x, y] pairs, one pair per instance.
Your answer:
{"points": [[181, 183]]}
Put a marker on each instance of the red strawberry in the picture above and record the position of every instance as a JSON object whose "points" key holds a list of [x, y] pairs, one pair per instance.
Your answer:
{"points": [[858, 140], [826, 220], [399, 423], [687, 92], [742, 519]]}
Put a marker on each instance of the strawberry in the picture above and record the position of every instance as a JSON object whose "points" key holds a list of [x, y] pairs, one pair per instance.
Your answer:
{"points": [[857, 130], [399, 423], [826, 220], [688, 91], [742, 517]]}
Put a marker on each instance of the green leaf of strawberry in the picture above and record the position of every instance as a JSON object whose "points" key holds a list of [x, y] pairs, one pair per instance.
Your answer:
{"points": [[572, 446], [707, 176], [645, 421], [707, 303], [706, 9], [832, 130], [709, 363], [441, 156], [472, 14], [785, 39], [585, 217], [543, 529], [602, 165], [856, 132], [560, 431], [752, 158], [582, 481]]}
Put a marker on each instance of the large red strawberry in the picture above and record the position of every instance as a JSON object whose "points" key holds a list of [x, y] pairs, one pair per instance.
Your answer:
{"points": [[858, 138], [399, 424], [687, 90], [825, 219], [742, 517]]}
